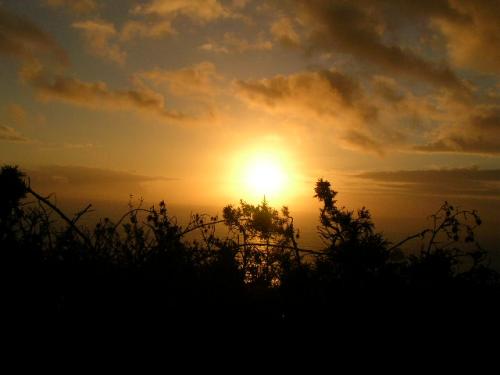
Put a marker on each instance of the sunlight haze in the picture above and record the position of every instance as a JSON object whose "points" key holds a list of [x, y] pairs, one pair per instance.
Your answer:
{"points": [[204, 103]]}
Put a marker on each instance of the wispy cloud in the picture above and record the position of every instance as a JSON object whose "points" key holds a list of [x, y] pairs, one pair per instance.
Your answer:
{"points": [[99, 36], [199, 10], [198, 79], [478, 132], [284, 31], [96, 94], [232, 43], [24, 40], [11, 135], [450, 182], [146, 29], [78, 181], [353, 29]]}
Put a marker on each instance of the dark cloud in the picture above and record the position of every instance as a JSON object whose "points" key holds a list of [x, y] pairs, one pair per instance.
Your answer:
{"points": [[97, 94], [452, 182], [303, 90], [363, 142], [392, 47], [388, 90], [487, 121], [78, 181], [24, 40], [435, 176], [410, 9], [77, 175], [349, 28], [480, 134], [463, 144]]}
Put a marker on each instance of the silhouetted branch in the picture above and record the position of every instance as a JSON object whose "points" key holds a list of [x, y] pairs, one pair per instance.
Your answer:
{"points": [[416, 235], [190, 229], [79, 214], [128, 214], [314, 252], [61, 214]]}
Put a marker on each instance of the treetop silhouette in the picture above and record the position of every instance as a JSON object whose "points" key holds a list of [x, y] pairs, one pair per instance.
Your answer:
{"points": [[144, 262]]}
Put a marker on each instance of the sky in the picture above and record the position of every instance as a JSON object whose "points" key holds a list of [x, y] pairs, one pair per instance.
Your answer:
{"points": [[397, 103]]}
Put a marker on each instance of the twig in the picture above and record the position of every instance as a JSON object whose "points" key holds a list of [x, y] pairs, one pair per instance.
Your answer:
{"points": [[420, 234], [127, 214], [190, 229], [314, 252], [78, 215], [61, 214]]}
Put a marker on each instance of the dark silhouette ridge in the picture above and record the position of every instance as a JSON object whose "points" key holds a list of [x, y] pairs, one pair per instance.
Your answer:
{"points": [[142, 271]]}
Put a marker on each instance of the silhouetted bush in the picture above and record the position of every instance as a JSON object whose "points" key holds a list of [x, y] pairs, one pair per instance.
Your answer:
{"points": [[142, 267]]}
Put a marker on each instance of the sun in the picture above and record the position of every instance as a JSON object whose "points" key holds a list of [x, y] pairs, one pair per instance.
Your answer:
{"points": [[259, 171], [264, 176]]}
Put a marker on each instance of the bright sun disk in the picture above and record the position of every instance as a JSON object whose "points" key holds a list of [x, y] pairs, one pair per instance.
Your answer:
{"points": [[265, 176]]}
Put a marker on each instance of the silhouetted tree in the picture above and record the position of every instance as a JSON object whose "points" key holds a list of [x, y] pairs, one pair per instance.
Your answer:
{"points": [[354, 253], [143, 266], [266, 239]]}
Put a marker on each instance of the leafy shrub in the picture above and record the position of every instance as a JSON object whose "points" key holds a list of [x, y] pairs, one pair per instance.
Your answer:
{"points": [[144, 265]]}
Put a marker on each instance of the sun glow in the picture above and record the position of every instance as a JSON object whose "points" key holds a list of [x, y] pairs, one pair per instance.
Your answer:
{"points": [[265, 176], [259, 172]]}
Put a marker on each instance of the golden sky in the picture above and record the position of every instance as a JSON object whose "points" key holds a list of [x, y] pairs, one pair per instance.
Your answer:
{"points": [[209, 101]]}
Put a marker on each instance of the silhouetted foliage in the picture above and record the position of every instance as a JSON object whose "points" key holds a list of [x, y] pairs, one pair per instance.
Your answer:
{"points": [[143, 266], [265, 239]]}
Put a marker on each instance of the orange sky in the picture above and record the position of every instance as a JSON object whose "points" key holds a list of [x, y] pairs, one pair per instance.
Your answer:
{"points": [[185, 99]]}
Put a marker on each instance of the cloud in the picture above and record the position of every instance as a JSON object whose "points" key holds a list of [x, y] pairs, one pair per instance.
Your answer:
{"points": [[194, 80], [76, 6], [199, 10], [97, 94], [156, 16], [283, 31], [452, 182], [378, 113], [323, 97], [98, 36], [321, 92], [479, 133], [11, 135], [90, 183], [240, 3], [358, 141], [146, 29], [469, 28], [24, 40], [458, 143], [475, 34], [352, 29], [78, 146], [78, 175], [17, 114], [232, 43]]}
